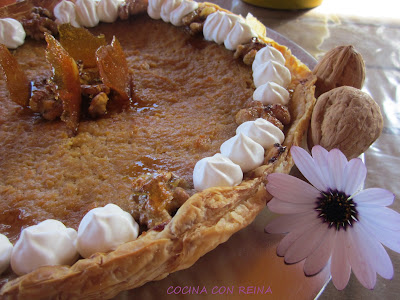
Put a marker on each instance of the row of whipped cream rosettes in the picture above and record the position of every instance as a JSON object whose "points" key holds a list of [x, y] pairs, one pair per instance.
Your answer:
{"points": [[100, 230], [270, 75], [246, 150], [86, 13], [50, 242]]}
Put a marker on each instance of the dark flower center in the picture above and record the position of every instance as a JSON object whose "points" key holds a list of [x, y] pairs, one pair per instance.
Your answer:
{"points": [[337, 209]]}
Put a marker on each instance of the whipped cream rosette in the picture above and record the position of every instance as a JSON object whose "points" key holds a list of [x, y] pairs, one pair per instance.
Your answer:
{"points": [[48, 243], [12, 34], [105, 228]]}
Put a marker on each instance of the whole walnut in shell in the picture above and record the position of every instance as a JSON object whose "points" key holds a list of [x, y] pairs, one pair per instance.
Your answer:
{"points": [[345, 118], [340, 66]]}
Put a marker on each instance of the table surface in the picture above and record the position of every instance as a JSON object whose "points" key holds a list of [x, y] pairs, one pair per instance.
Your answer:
{"points": [[373, 28]]}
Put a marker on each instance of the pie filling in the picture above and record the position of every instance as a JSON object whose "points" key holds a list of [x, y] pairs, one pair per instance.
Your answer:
{"points": [[187, 99], [187, 92]]}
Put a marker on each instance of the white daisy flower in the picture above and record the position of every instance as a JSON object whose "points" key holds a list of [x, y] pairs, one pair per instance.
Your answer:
{"points": [[334, 220]]}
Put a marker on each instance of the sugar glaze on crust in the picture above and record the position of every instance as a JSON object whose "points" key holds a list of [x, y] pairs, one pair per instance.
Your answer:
{"points": [[204, 221]]}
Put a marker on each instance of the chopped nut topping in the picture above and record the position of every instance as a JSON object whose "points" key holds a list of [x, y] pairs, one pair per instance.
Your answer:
{"points": [[275, 113], [195, 20], [94, 89], [43, 101], [39, 21], [280, 112], [130, 8], [248, 51], [196, 28], [98, 106], [249, 57], [157, 197]]}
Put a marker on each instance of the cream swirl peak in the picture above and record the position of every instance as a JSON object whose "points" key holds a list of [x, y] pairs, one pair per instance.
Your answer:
{"points": [[154, 9], [229, 29], [261, 131], [241, 33], [5, 252], [105, 228], [48, 243], [243, 151], [271, 93], [272, 71], [218, 25], [65, 13], [86, 12], [107, 10], [266, 54], [216, 170], [12, 33], [167, 7], [184, 8], [271, 77], [171, 10]]}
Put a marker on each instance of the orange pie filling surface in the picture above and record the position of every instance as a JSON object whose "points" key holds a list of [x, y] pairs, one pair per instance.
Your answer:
{"points": [[186, 93]]}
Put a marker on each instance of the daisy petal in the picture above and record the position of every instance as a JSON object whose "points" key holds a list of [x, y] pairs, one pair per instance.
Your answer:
{"points": [[306, 244], [373, 197], [291, 189], [376, 254], [362, 267], [340, 267], [283, 207], [294, 235], [389, 238], [287, 223], [319, 258], [320, 156], [380, 216], [354, 176], [337, 163], [307, 166]]}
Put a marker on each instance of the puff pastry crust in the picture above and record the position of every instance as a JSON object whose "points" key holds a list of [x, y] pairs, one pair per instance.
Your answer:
{"points": [[204, 221]]}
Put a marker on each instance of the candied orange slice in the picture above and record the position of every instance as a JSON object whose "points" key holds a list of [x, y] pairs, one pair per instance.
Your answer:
{"points": [[114, 71], [66, 78], [80, 43], [17, 83]]}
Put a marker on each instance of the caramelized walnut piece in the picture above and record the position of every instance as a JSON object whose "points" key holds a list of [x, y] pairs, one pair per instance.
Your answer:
{"points": [[44, 102], [277, 114], [248, 51], [279, 111], [16, 80], [88, 76], [92, 90], [195, 20], [38, 22], [196, 28], [248, 114], [199, 15], [157, 196], [98, 105], [130, 8]]}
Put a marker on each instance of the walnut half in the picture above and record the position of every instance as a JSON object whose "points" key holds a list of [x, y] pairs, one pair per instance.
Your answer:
{"points": [[345, 118]]}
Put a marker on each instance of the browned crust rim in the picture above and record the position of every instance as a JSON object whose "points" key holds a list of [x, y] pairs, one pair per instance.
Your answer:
{"points": [[206, 220]]}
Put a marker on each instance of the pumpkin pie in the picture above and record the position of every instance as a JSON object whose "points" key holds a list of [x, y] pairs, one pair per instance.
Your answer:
{"points": [[187, 96]]}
